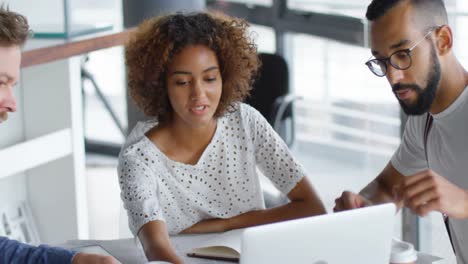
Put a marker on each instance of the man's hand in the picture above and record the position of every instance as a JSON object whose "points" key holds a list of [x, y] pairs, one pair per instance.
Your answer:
{"points": [[427, 191], [84, 258], [208, 226], [350, 200]]}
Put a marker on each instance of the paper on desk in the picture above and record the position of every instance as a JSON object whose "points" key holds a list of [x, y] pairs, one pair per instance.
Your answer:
{"points": [[184, 243], [124, 250], [230, 239], [128, 251], [426, 258]]}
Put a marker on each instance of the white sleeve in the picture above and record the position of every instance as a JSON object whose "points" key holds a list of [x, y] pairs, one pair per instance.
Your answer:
{"points": [[139, 192], [272, 156], [410, 157]]}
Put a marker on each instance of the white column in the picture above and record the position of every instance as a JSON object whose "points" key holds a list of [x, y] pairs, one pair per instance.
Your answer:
{"points": [[56, 190]]}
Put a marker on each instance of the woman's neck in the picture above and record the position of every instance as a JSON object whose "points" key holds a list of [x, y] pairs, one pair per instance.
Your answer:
{"points": [[181, 143], [192, 138]]}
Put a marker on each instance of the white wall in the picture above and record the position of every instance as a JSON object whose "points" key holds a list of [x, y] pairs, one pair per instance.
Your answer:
{"points": [[12, 189], [40, 13]]}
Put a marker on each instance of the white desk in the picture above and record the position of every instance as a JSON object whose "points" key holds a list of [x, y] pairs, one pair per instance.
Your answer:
{"points": [[128, 252]]}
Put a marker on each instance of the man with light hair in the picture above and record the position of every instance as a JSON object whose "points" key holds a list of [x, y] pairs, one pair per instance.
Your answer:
{"points": [[14, 31]]}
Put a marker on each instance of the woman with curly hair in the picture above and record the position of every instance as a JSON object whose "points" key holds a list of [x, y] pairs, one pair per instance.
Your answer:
{"points": [[192, 167]]}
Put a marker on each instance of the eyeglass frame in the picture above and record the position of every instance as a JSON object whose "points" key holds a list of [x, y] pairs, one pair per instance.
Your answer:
{"points": [[407, 51]]}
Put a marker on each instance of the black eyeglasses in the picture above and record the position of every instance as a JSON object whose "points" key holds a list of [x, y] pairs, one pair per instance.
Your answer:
{"points": [[400, 59]]}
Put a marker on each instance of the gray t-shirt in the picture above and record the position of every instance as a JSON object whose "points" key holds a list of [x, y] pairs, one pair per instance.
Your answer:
{"points": [[224, 182], [447, 148]]}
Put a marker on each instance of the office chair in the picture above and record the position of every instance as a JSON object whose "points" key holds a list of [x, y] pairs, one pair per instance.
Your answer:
{"points": [[270, 95]]}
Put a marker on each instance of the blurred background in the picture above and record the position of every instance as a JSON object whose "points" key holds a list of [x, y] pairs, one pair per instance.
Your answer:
{"points": [[345, 127]]}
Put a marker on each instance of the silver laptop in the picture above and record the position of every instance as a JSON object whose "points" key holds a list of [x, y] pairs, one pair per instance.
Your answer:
{"points": [[356, 236]]}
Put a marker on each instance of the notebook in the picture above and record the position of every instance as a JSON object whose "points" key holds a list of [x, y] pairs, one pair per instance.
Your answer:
{"points": [[226, 246], [362, 235]]}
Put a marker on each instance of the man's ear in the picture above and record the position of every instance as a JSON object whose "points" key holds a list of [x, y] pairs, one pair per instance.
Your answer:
{"points": [[444, 40]]}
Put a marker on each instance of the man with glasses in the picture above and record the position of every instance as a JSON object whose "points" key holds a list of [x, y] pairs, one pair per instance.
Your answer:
{"points": [[412, 47], [14, 30]]}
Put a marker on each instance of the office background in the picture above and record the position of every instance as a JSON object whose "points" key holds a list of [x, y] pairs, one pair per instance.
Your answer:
{"points": [[347, 125]]}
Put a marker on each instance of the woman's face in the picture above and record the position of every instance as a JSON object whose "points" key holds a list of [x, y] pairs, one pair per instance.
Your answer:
{"points": [[194, 86]]}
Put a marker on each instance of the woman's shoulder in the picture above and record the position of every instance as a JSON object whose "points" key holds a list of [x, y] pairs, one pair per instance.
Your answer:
{"points": [[134, 150], [243, 116], [246, 109], [138, 133], [137, 148], [242, 111]]}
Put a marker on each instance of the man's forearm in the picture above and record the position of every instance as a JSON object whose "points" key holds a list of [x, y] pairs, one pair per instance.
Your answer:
{"points": [[377, 192], [12, 251]]}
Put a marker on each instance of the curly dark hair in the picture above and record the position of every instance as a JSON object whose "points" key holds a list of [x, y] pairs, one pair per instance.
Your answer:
{"points": [[14, 28], [157, 40]]}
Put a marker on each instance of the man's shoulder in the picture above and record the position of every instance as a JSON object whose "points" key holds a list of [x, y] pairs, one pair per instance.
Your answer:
{"points": [[3, 240], [416, 123]]}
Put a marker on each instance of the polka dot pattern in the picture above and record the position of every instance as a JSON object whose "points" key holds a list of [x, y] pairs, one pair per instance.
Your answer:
{"points": [[224, 182]]}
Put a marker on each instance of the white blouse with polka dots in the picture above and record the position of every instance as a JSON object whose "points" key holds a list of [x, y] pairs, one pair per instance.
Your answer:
{"points": [[224, 182]]}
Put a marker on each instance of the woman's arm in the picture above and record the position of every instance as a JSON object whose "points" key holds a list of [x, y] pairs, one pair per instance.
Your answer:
{"points": [[304, 202], [156, 243], [139, 193]]}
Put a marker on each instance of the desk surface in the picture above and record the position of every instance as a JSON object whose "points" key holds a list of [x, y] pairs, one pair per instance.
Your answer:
{"points": [[128, 251]]}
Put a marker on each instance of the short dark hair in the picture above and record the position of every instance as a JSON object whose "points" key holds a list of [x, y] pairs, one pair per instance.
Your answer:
{"points": [[159, 39], [429, 10], [14, 28]]}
